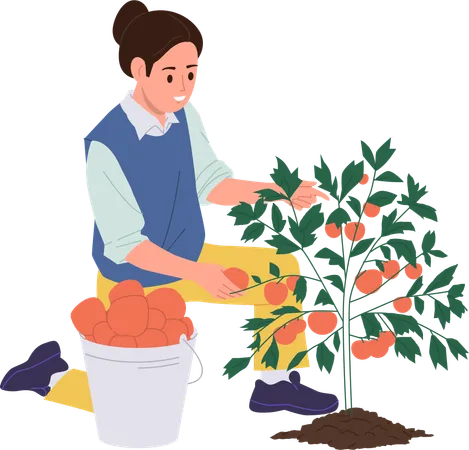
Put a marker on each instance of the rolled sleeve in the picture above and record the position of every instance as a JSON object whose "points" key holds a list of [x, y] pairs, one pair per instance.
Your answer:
{"points": [[115, 209], [210, 176], [209, 170]]}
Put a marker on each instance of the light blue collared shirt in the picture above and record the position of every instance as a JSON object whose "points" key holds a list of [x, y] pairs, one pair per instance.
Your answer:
{"points": [[115, 208]]}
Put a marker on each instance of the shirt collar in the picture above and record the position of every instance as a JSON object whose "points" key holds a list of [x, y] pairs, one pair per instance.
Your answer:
{"points": [[141, 119]]}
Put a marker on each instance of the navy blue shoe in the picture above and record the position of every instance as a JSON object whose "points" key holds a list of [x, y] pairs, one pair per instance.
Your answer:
{"points": [[34, 375], [293, 397]]}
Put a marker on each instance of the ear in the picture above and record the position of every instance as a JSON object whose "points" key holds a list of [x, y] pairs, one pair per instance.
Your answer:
{"points": [[138, 69]]}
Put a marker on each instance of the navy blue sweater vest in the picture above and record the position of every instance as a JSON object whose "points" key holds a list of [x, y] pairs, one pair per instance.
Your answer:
{"points": [[160, 171]]}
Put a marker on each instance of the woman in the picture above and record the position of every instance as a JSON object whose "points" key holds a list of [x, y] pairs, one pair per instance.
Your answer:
{"points": [[149, 168]]}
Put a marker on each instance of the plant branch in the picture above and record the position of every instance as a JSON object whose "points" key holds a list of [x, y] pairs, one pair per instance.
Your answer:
{"points": [[285, 324], [383, 305], [280, 278], [378, 288]]}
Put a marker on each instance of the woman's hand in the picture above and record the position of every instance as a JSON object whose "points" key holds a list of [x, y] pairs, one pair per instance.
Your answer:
{"points": [[212, 278], [306, 196]]}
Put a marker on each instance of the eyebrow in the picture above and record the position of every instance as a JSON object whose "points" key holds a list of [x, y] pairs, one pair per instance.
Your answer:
{"points": [[174, 68]]}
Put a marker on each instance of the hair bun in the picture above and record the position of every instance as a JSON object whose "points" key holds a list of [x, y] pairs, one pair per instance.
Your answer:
{"points": [[130, 11]]}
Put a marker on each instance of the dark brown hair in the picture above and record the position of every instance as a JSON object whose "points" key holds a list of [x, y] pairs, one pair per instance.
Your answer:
{"points": [[150, 34]]}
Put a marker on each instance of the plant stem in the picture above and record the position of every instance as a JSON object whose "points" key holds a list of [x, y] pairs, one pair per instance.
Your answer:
{"points": [[347, 319], [346, 356], [352, 244], [400, 213], [280, 278], [433, 331], [347, 360]]}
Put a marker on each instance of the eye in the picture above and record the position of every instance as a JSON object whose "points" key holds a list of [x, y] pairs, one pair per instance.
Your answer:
{"points": [[191, 76], [170, 78]]}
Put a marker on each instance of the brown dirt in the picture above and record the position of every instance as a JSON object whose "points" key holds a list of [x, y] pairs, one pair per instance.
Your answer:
{"points": [[363, 429]]}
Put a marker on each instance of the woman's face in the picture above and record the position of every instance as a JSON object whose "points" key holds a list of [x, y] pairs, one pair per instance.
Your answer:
{"points": [[171, 82]]}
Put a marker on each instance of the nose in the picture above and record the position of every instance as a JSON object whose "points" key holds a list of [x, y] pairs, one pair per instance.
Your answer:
{"points": [[183, 85]]}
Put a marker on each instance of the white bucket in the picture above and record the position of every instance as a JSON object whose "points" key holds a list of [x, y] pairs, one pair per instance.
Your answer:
{"points": [[138, 393]]}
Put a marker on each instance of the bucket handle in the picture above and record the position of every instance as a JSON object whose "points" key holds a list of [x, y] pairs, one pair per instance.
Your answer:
{"points": [[200, 374]]}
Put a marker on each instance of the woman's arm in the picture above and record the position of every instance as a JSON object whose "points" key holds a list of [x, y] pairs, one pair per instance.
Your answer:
{"points": [[208, 169], [214, 179]]}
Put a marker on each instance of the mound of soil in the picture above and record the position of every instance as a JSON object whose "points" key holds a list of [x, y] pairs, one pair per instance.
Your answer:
{"points": [[362, 429]]}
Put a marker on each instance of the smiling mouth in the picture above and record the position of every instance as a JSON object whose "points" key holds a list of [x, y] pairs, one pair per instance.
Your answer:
{"points": [[180, 99]]}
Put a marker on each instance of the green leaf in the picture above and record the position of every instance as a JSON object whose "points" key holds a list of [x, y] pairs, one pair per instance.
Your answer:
{"points": [[355, 205], [438, 352], [324, 357], [324, 300], [312, 220], [276, 218], [379, 157], [257, 342], [428, 243], [351, 176], [285, 310], [371, 324], [366, 150], [336, 340], [415, 287], [274, 270], [300, 289], [414, 292], [323, 175], [243, 213], [282, 177], [297, 359], [457, 290], [441, 313], [256, 279], [415, 193], [295, 230], [402, 324], [373, 253], [420, 305], [271, 355], [390, 177], [253, 232], [310, 238], [303, 232], [334, 258], [235, 366], [336, 282], [339, 217], [382, 198], [385, 250], [367, 245], [439, 254], [389, 226], [456, 348], [405, 249], [269, 195], [442, 279], [407, 347], [257, 323], [377, 262], [282, 244], [259, 208], [424, 211], [384, 153], [455, 308]]}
